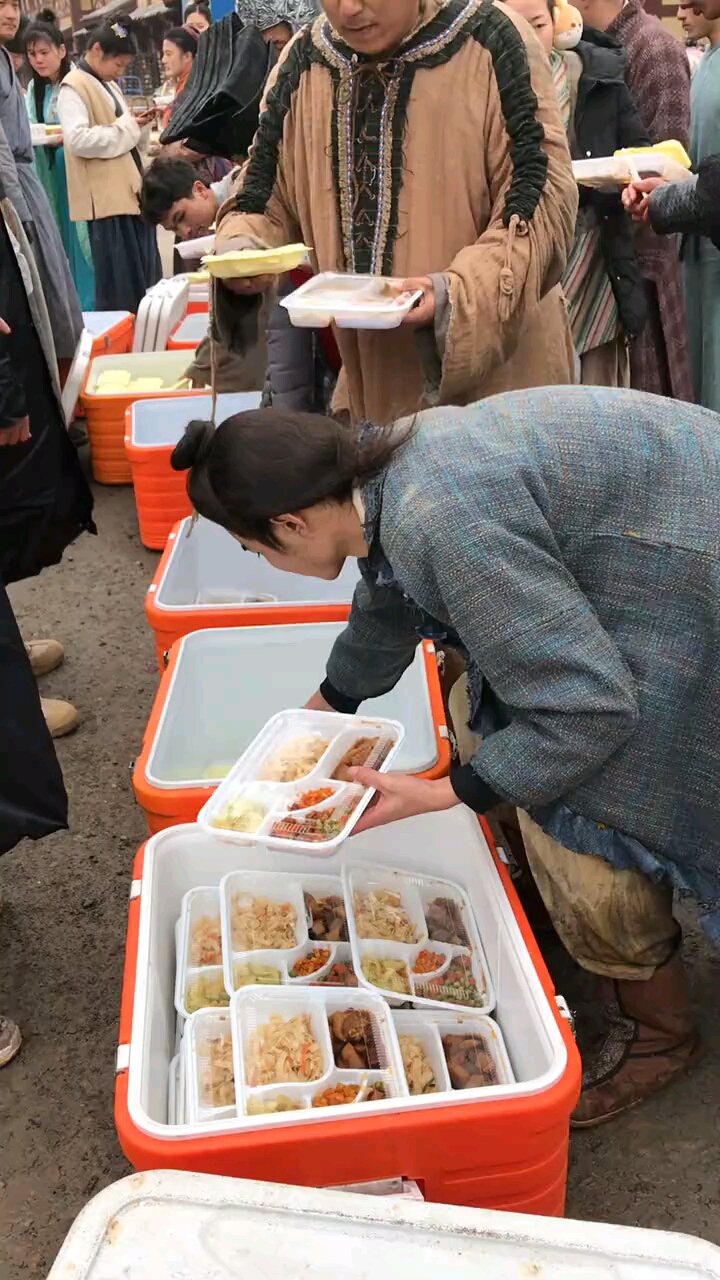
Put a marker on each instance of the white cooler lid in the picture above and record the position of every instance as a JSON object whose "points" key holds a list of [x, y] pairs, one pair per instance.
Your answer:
{"points": [[190, 1226], [76, 377], [100, 322]]}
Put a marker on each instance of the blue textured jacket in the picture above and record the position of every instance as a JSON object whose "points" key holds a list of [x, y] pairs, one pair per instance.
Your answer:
{"points": [[568, 541]]}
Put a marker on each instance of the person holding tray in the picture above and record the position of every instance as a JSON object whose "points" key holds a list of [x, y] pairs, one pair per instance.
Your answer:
{"points": [[566, 542], [419, 140]]}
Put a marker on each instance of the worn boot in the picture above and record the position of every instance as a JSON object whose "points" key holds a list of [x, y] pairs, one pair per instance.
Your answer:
{"points": [[60, 717], [652, 1038], [45, 655], [10, 1040]]}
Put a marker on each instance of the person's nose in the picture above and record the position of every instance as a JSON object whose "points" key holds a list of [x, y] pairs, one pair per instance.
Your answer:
{"points": [[350, 9]]}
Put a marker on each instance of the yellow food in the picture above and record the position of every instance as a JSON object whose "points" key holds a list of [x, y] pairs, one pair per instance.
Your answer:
{"points": [[379, 913], [284, 1052], [205, 942], [256, 975], [391, 975], [206, 992], [242, 815], [146, 384], [216, 772], [258, 924], [273, 1107]]}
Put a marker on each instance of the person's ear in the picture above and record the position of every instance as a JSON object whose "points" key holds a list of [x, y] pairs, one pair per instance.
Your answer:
{"points": [[293, 526], [199, 189]]}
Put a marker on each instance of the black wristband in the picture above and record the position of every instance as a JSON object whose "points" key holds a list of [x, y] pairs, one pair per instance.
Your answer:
{"points": [[338, 701], [469, 787]]}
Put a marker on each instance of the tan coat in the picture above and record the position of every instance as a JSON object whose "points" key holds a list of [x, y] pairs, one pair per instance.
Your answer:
{"points": [[99, 188], [507, 326]]}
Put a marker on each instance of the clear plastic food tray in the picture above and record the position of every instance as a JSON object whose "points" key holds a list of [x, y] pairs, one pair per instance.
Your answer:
{"points": [[617, 171], [433, 1035], [267, 1066], [297, 755], [350, 302], [432, 917], [283, 913], [200, 978], [208, 1050]]}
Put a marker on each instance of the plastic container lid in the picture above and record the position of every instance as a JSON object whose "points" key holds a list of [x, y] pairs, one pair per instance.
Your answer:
{"points": [[76, 377], [98, 323], [350, 302], [190, 1226], [195, 249], [159, 423]]}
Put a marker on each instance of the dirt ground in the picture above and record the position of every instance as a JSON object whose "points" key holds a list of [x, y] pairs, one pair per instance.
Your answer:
{"points": [[62, 939]]}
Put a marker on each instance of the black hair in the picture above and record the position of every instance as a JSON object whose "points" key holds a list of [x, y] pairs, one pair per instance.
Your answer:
{"points": [[184, 39], [115, 38], [17, 44], [44, 29], [266, 462], [199, 8], [166, 181]]}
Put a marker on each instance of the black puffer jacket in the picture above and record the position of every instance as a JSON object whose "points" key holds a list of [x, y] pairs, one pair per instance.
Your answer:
{"points": [[605, 120]]}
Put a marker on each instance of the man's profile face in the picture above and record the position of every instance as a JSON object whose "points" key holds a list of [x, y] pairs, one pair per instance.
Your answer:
{"points": [[373, 27]]}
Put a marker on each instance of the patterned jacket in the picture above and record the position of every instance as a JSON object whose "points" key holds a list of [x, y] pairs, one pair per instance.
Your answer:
{"points": [[569, 544]]}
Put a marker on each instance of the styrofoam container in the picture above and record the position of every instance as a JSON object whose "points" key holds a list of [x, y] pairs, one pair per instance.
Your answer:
{"points": [[282, 826], [618, 170], [350, 302], [253, 1007], [415, 893], [190, 333], [205, 579], [222, 686], [185, 1226]]}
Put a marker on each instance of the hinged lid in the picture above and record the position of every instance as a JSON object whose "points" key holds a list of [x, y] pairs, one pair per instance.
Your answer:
{"points": [[100, 323], [187, 1226], [76, 377]]}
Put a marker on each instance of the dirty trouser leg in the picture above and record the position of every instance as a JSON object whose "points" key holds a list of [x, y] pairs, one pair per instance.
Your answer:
{"points": [[617, 924]]}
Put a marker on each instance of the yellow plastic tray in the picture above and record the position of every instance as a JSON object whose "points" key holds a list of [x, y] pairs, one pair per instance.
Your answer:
{"points": [[241, 263]]}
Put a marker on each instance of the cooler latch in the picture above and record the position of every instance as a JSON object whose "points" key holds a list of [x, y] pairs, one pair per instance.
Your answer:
{"points": [[122, 1058], [135, 889], [565, 1011]]}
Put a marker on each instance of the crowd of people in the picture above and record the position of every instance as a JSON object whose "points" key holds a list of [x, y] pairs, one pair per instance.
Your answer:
{"points": [[527, 468]]}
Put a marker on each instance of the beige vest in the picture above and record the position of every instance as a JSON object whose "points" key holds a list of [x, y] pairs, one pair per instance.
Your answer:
{"points": [[99, 188]]}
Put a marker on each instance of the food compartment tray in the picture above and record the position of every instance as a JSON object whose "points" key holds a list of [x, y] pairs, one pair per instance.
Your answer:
{"points": [[439, 1034], [290, 1049], [199, 949], [209, 1066], [350, 302], [299, 753], [461, 979]]}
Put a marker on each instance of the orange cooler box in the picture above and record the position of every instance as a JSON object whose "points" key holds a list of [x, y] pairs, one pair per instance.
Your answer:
{"points": [[222, 686], [104, 404], [152, 429], [504, 1147], [190, 332], [111, 331], [207, 580]]}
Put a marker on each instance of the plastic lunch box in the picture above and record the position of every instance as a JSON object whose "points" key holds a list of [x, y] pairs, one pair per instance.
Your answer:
{"points": [[183, 1226], [500, 1147], [222, 685], [349, 301], [205, 579], [152, 429], [275, 798]]}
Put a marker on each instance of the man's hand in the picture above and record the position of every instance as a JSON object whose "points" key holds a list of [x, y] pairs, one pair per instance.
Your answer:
{"points": [[246, 286], [18, 433], [145, 117], [401, 796], [423, 313], [4, 326], [55, 139], [636, 197]]}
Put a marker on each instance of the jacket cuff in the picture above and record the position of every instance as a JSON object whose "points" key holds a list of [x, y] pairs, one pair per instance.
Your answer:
{"points": [[469, 787], [337, 700]]}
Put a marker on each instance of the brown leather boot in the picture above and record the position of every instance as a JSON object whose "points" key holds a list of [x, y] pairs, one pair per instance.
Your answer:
{"points": [[652, 1039]]}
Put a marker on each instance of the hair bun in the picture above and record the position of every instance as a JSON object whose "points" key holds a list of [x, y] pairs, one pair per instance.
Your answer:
{"points": [[47, 16], [193, 446]]}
